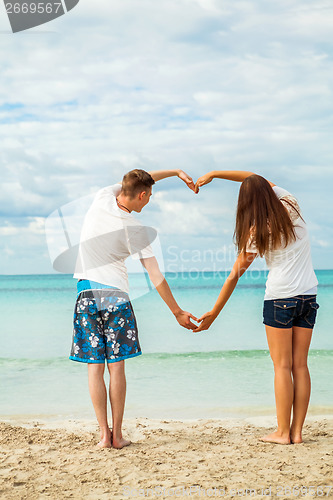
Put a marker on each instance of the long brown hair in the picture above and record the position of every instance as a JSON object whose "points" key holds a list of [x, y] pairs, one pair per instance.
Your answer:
{"points": [[261, 217]]}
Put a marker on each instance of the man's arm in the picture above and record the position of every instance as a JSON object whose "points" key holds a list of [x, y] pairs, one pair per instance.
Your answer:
{"points": [[230, 175], [158, 175], [165, 293]]}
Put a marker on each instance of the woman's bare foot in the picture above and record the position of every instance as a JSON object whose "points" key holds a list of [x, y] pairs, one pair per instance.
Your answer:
{"points": [[120, 443], [277, 438], [296, 438]]}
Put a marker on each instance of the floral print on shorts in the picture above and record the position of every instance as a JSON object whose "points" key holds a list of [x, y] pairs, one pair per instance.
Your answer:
{"points": [[104, 327]]}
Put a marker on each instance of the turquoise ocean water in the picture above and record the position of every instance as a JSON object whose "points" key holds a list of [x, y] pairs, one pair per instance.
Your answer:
{"points": [[226, 371]]}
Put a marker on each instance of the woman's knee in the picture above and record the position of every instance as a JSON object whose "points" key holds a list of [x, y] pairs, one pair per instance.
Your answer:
{"points": [[300, 366], [284, 364]]}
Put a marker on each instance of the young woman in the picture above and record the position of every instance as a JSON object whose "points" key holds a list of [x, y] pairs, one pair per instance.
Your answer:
{"points": [[269, 223]]}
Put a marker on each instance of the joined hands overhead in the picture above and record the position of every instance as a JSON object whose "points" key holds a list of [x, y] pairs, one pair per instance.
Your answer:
{"points": [[187, 179], [204, 179]]}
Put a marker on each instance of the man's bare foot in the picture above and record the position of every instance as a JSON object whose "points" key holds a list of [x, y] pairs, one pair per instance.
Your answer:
{"points": [[120, 443], [277, 438], [106, 441], [104, 444]]}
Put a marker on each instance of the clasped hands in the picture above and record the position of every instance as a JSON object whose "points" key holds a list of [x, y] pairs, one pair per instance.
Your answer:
{"points": [[184, 318], [204, 179]]}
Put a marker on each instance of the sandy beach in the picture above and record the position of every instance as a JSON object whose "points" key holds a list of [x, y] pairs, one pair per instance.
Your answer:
{"points": [[192, 459]]}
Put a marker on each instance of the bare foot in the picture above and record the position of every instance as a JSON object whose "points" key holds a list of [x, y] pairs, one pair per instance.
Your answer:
{"points": [[276, 438], [296, 439], [106, 442], [120, 443], [295, 435]]}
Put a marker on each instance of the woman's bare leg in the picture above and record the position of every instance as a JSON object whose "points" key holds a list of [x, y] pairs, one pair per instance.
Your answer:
{"points": [[280, 348], [98, 396], [302, 381], [117, 400]]}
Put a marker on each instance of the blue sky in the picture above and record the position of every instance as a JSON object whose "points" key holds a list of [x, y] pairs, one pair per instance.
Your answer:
{"points": [[192, 84]]}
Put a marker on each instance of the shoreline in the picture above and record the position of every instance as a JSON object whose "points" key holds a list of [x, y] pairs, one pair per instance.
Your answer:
{"points": [[62, 422], [219, 414], [59, 459]]}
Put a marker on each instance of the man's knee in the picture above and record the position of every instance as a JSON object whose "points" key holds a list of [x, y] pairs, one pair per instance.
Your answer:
{"points": [[116, 367], [96, 368]]}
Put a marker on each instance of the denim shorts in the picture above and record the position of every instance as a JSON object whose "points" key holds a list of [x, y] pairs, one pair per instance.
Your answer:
{"points": [[300, 310]]}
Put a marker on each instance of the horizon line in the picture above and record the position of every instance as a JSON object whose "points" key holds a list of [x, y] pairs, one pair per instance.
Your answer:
{"points": [[140, 273]]}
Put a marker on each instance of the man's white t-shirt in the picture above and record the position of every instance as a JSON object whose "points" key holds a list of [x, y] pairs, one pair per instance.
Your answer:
{"points": [[290, 269], [109, 236]]}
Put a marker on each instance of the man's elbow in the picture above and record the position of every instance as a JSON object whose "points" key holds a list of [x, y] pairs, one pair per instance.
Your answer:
{"points": [[156, 278]]}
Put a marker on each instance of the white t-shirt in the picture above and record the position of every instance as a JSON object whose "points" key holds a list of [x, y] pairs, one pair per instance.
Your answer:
{"points": [[109, 235], [290, 269]]}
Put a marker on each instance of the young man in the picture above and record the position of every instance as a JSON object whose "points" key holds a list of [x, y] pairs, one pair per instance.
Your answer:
{"points": [[104, 322]]}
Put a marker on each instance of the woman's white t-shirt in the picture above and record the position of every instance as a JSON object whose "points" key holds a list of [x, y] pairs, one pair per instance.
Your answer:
{"points": [[290, 269]]}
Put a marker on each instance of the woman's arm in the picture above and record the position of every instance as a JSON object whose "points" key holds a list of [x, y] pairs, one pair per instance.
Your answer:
{"points": [[230, 175], [242, 263]]}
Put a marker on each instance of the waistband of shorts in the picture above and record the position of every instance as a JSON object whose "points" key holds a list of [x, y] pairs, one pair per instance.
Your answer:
{"points": [[92, 285], [297, 297]]}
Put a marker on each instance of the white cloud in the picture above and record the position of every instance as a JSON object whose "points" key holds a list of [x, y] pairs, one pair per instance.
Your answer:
{"points": [[323, 243], [23, 246], [8, 230], [173, 213]]}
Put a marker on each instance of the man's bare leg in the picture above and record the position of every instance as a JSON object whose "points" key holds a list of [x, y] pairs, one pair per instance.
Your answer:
{"points": [[117, 400], [98, 396]]}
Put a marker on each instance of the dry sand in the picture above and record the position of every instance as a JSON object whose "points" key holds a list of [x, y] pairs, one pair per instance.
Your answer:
{"points": [[58, 460]]}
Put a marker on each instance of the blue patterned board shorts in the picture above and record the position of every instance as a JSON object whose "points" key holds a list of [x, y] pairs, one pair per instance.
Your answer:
{"points": [[104, 325]]}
